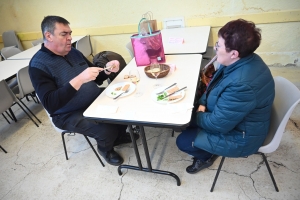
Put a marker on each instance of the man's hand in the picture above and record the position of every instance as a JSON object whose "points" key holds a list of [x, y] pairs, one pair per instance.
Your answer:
{"points": [[201, 108], [89, 74], [115, 65]]}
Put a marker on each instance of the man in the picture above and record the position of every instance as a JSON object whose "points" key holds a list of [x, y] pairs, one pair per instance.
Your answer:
{"points": [[66, 84]]}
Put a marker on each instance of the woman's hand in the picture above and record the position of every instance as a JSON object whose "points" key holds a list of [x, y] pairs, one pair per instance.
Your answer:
{"points": [[201, 108]]}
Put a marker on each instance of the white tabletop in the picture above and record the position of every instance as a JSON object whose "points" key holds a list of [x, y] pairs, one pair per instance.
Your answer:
{"points": [[195, 40], [9, 68], [29, 53], [143, 110]]}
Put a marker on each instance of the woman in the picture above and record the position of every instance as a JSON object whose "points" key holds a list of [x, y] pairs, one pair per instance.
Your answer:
{"points": [[234, 113]]}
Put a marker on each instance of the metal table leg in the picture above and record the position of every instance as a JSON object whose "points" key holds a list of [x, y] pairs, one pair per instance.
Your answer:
{"points": [[140, 167]]}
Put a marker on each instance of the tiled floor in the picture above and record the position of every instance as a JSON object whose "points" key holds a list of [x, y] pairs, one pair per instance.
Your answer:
{"points": [[35, 166]]}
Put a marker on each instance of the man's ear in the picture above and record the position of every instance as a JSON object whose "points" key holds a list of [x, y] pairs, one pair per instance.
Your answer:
{"points": [[234, 54], [48, 36]]}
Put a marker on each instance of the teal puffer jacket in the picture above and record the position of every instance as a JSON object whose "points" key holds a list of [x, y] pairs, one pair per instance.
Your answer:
{"points": [[238, 102]]}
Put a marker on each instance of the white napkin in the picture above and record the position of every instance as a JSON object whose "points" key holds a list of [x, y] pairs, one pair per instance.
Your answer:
{"points": [[105, 109], [179, 108]]}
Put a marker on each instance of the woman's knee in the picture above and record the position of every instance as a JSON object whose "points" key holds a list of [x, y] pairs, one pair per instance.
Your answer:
{"points": [[186, 138]]}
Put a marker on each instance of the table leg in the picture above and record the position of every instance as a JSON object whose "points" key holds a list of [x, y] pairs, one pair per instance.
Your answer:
{"points": [[140, 167]]}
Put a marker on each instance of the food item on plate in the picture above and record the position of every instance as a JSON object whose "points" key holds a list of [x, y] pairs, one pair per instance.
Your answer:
{"points": [[126, 76], [162, 96], [172, 97], [173, 89], [118, 88], [126, 87]]}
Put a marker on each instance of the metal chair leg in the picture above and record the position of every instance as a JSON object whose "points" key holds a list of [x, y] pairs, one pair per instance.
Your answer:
{"points": [[9, 115], [217, 174], [87, 139], [12, 115], [5, 118], [270, 172], [29, 110], [3, 149], [64, 143], [27, 114]]}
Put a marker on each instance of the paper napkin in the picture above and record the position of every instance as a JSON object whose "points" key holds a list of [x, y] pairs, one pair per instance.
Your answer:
{"points": [[176, 40]]}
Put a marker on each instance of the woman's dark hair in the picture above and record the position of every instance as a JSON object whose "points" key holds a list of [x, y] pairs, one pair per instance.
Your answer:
{"points": [[241, 35], [48, 24]]}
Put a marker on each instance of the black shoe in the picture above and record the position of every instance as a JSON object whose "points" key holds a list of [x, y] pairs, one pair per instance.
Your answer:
{"points": [[125, 138], [112, 157], [198, 165]]}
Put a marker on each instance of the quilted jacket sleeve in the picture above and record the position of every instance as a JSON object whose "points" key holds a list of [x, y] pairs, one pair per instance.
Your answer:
{"points": [[234, 103]]}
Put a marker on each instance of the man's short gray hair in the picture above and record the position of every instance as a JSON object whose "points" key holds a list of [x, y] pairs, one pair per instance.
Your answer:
{"points": [[48, 24]]}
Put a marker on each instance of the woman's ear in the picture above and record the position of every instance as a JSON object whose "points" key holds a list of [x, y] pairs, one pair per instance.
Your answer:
{"points": [[234, 54]]}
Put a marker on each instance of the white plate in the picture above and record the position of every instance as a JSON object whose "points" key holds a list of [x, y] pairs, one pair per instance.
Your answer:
{"points": [[112, 93], [165, 101]]}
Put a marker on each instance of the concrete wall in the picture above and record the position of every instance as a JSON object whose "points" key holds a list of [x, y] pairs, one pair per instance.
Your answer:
{"points": [[111, 23]]}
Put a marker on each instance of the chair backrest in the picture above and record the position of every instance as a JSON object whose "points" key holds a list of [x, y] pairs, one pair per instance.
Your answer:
{"points": [[287, 96], [7, 52], [84, 46], [7, 98], [36, 42], [10, 38], [24, 82], [130, 49]]}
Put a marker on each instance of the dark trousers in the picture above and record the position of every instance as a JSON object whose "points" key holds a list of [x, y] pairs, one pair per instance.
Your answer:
{"points": [[185, 143], [104, 134]]}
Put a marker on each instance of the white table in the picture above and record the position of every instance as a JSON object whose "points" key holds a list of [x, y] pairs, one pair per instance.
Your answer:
{"points": [[143, 111], [9, 68], [195, 40], [29, 53]]}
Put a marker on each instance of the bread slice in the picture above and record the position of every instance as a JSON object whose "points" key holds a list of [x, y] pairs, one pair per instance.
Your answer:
{"points": [[173, 89], [125, 87], [172, 98]]}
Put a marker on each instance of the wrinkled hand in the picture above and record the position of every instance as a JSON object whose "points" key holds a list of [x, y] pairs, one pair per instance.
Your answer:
{"points": [[201, 108], [89, 74], [115, 64]]}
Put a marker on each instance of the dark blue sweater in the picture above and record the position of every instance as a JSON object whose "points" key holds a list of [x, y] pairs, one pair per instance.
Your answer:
{"points": [[50, 75]]}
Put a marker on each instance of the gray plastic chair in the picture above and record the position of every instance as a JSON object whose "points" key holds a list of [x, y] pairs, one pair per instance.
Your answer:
{"points": [[9, 51], [8, 99], [10, 38], [130, 49], [63, 132], [84, 46], [38, 41], [24, 88], [287, 96]]}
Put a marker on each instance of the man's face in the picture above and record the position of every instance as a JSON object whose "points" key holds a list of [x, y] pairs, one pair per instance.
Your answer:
{"points": [[60, 42]]}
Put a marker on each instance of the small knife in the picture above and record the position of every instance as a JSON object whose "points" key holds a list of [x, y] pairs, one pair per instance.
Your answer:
{"points": [[175, 92], [166, 88]]}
